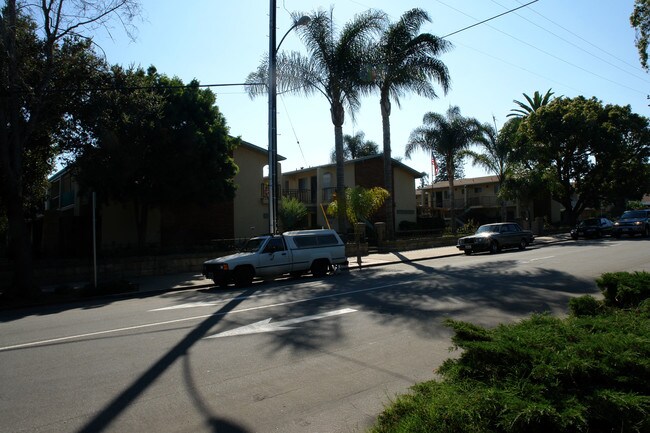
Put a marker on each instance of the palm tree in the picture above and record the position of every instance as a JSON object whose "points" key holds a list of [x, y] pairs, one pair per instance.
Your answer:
{"points": [[356, 146], [332, 68], [497, 157], [534, 104], [446, 135], [406, 61]]}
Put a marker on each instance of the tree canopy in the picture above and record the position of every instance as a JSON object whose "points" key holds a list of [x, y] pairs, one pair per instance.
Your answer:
{"points": [[332, 68], [356, 146], [156, 142], [45, 61], [362, 203], [405, 60], [640, 20], [532, 104], [587, 153], [446, 135]]}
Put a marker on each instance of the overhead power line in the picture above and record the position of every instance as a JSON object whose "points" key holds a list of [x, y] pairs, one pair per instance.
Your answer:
{"points": [[489, 19]]}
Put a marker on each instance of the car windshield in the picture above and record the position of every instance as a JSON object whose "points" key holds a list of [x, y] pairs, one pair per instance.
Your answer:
{"points": [[488, 229], [590, 222], [252, 245], [634, 214]]}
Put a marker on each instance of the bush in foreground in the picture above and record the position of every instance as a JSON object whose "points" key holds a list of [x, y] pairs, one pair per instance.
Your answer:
{"points": [[589, 372]]}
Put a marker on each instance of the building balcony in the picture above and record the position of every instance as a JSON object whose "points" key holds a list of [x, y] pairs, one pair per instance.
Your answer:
{"points": [[471, 202], [306, 196]]}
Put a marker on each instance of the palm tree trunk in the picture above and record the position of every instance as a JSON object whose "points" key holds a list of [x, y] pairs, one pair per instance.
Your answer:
{"points": [[388, 163]]}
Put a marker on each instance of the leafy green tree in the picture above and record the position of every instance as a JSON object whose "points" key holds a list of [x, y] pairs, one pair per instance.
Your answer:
{"points": [[332, 68], [534, 104], [640, 20], [362, 203], [406, 61], [292, 213], [587, 153], [43, 70], [521, 183], [156, 143], [497, 155], [447, 136], [356, 146], [443, 171]]}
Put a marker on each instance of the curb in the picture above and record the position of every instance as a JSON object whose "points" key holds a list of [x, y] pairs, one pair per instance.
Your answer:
{"points": [[153, 292]]}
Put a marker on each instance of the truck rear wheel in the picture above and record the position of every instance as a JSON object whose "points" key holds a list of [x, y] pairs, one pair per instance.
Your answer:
{"points": [[319, 268]]}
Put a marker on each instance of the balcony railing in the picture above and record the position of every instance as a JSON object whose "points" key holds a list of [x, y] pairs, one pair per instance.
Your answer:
{"points": [[302, 195], [307, 196], [463, 203]]}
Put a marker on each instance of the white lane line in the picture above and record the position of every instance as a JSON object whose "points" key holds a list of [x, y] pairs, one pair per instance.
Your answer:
{"points": [[541, 258], [203, 316], [535, 259]]}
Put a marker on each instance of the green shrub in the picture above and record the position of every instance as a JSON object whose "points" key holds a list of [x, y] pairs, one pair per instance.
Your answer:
{"points": [[585, 373], [292, 213], [624, 289], [585, 306]]}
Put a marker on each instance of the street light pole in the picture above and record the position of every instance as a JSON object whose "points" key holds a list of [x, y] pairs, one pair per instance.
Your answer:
{"points": [[273, 137], [273, 118]]}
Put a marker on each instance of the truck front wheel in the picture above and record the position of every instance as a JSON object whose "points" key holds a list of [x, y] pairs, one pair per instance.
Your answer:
{"points": [[319, 268], [243, 276]]}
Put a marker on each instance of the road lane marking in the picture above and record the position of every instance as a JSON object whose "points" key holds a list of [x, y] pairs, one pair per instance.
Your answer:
{"points": [[186, 319], [536, 259], [267, 326]]}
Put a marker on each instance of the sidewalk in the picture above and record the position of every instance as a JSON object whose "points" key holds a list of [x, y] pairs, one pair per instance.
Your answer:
{"points": [[186, 281]]}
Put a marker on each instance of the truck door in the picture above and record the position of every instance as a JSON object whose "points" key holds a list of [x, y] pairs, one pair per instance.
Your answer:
{"points": [[274, 259]]}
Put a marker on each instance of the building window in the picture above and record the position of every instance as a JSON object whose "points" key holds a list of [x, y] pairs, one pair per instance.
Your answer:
{"points": [[478, 190], [55, 190]]}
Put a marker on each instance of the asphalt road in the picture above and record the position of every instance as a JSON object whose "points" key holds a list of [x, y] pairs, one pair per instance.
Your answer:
{"points": [[285, 356]]}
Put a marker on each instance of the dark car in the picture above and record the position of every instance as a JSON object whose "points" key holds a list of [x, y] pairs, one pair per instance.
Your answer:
{"points": [[633, 222], [495, 237], [592, 228]]}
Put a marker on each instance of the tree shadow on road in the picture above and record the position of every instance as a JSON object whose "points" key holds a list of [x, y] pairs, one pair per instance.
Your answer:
{"points": [[426, 295], [127, 397]]}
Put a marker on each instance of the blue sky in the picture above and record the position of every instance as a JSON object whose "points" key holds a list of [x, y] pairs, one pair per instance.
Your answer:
{"points": [[576, 47]]}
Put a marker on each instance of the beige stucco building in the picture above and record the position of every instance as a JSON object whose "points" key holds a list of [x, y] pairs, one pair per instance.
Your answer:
{"points": [[314, 186], [66, 225], [476, 199]]}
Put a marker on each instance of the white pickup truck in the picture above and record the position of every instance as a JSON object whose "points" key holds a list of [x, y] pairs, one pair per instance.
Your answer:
{"points": [[294, 253]]}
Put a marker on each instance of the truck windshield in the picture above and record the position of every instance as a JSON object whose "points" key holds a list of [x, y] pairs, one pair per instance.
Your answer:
{"points": [[252, 245]]}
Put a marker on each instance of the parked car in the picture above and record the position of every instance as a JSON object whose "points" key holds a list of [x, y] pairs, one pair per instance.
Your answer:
{"points": [[633, 222], [592, 228], [495, 237]]}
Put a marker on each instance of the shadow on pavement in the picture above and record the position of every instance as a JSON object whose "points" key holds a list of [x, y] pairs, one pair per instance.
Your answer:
{"points": [[105, 417]]}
